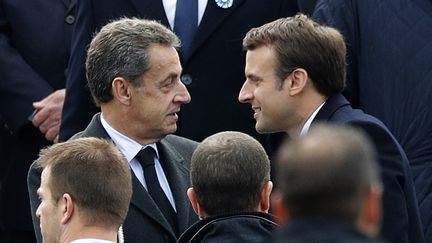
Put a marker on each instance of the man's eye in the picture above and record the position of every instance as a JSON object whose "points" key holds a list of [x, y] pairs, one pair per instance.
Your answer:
{"points": [[169, 82], [255, 81]]}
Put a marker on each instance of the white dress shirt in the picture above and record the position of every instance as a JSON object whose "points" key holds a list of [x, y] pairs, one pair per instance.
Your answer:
{"points": [[130, 149], [170, 8], [90, 240], [309, 121]]}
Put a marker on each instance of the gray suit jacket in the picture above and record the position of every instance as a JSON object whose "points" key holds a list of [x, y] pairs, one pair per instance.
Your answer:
{"points": [[144, 222]]}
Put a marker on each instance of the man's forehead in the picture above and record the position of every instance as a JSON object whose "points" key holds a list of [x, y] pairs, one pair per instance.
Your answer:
{"points": [[259, 60], [46, 172], [162, 57]]}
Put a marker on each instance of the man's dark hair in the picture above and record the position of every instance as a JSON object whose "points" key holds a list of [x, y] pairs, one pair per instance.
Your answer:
{"points": [[228, 172], [299, 42]]}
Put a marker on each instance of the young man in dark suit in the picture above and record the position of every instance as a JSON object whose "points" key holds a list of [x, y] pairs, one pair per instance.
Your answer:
{"points": [[212, 68], [34, 51], [295, 73], [134, 75]]}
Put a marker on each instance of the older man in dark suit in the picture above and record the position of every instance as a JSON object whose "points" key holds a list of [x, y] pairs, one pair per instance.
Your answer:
{"points": [[295, 73], [34, 52], [212, 67], [134, 75]]}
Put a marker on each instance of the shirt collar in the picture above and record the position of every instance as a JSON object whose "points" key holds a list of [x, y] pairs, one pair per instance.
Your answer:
{"points": [[308, 123], [127, 146]]}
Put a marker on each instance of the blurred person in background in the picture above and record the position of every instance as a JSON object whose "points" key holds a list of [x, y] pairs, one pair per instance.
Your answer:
{"points": [[389, 75], [35, 39], [330, 188]]}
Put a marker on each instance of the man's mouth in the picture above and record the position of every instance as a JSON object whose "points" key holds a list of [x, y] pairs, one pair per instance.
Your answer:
{"points": [[256, 111], [174, 114]]}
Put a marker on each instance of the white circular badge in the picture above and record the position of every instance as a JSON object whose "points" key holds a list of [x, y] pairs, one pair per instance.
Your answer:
{"points": [[224, 3]]}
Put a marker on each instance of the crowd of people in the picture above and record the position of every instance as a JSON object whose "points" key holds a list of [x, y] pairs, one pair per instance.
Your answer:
{"points": [[154, 140]]}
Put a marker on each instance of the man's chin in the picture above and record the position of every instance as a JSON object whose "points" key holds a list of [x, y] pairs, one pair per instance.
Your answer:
{"points": [[171, 129], [262, 129]]}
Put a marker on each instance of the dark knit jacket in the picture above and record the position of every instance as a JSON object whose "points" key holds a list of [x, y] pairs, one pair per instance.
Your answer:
{"points": [[231, 228]]}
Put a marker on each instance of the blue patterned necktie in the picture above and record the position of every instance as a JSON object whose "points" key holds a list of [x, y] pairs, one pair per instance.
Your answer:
{"points": [[186, 23]]}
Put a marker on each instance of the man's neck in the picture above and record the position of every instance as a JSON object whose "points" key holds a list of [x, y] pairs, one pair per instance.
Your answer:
{"points": [[307, 106], [117, 119]]}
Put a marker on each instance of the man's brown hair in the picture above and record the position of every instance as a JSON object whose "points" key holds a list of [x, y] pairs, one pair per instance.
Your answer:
{"points": [[299, 42], [94, 173]]}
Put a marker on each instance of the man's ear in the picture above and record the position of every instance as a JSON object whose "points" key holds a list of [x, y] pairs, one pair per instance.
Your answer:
{"points": [[278, 208], [265, 196], [297, 81], [67, 207], [369, 220], [121, 90], [194, 201]]}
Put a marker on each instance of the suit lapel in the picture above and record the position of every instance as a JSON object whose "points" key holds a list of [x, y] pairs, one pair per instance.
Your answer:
{"points": [[177, 174], [151, 9], [213, 17], [66, 2], [331, 105]]}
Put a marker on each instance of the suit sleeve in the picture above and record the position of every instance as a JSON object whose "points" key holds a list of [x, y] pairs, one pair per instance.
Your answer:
{"points": [[343, 15], [20, 85], [401, 221], [78, 108], [306, 6], [289, 8]]}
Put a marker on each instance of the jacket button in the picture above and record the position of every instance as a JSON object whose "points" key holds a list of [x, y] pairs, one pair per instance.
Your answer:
{"points": [[70, 19], [186, 79]]}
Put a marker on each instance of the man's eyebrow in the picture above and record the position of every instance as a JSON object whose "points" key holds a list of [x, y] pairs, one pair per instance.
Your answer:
{"points": [[252, 76], [170, 75]]}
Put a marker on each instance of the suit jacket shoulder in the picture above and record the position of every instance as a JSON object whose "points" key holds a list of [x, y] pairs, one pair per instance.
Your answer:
{"points": [[183, 145], [401, 220]]}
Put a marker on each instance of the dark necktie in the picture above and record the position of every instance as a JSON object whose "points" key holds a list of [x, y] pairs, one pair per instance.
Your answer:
{"points": [[146, 159], [186, 23]]}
